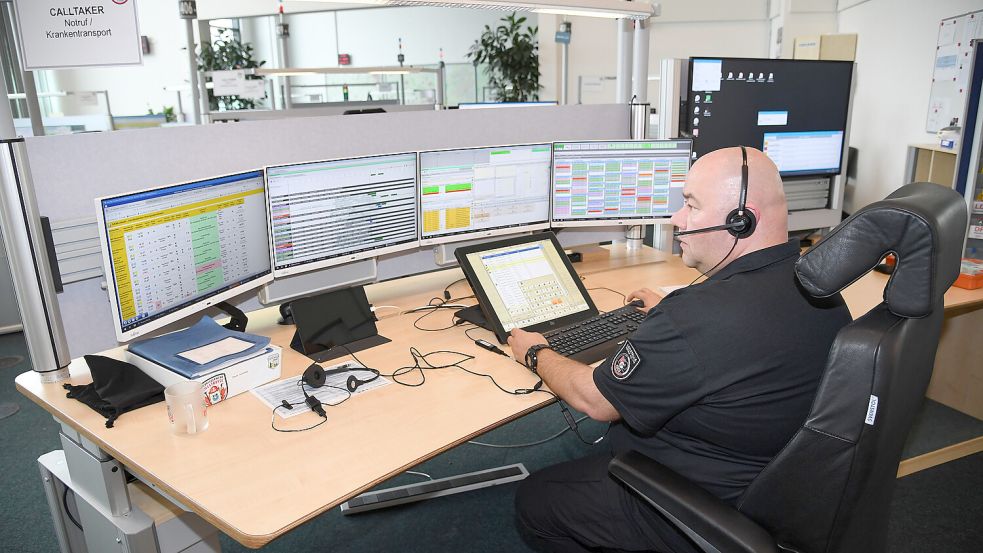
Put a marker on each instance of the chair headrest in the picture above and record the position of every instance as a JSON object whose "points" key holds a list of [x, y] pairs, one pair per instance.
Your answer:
{"points": [[923, 224]]}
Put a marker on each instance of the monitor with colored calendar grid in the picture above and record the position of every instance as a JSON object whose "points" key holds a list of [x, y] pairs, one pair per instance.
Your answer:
{"points": [[618, 182], [174, 251], [473, 193]]}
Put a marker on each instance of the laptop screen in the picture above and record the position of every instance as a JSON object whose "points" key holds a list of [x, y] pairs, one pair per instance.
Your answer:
{"points": [[526, 283]]}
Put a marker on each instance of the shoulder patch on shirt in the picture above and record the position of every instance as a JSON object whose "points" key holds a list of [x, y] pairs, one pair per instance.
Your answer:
{"points": [[624, 363]]}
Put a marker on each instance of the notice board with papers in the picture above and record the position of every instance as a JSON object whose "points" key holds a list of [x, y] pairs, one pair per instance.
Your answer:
{"points": [[950, 73]]}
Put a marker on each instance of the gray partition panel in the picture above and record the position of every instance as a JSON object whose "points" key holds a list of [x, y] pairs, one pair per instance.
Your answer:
{"points": [[70, 171]]}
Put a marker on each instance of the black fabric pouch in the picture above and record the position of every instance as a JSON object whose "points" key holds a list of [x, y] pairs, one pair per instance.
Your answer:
{"points": [[117, 387]]}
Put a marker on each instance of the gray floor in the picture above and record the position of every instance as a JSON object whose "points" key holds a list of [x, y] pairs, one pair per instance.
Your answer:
{"points": [[477, 521]]}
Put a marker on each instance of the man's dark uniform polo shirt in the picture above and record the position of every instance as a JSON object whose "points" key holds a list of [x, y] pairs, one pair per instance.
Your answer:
{"points": [[721, 374]]}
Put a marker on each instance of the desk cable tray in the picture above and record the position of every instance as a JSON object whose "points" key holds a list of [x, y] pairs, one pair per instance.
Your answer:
{"points": [[390, 497]]}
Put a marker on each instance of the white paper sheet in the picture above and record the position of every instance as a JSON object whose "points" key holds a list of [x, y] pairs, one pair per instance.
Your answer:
{"points": [[332, 393], [208, 353], [947, 33]]}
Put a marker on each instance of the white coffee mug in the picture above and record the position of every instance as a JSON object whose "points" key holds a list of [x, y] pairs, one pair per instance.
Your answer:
{"points": [[186, 407]]}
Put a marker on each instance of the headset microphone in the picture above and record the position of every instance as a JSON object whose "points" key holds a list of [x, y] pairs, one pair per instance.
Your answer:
{"points": [[740, 222], [735, 226]]}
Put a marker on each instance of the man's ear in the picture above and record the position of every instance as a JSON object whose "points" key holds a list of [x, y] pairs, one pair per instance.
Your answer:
{"points": [[754, 210]]}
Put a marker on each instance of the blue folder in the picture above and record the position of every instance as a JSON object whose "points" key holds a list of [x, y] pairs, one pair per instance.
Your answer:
{"points": [[164, 350]]}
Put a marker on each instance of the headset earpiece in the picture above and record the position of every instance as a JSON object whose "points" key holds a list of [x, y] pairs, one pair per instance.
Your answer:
{"points": [[742, 225], [314, 376]]}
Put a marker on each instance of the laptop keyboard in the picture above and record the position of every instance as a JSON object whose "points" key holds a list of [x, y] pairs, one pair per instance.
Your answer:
{"points": [[604, 328]]}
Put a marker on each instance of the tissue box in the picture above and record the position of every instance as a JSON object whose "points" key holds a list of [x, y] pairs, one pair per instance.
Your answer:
{"points": [[970, 274], [226, 381]]}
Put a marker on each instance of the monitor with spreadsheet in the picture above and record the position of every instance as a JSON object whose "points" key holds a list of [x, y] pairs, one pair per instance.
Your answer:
{"points": [[327, 213], [795, 111], [477, 192], [171, 252], [619, 182]]}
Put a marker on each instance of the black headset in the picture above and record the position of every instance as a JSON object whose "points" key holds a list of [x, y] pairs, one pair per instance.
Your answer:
{"points": [[315, 376], [740, 222]]}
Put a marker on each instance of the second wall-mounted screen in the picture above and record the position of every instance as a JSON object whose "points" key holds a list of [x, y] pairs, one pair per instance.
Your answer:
{"points": [[476, 192], [332, 212]]}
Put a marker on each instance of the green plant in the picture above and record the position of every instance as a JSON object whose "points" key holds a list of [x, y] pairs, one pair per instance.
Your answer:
{"points": [[167, 111], [227, 54], [512, 58]]}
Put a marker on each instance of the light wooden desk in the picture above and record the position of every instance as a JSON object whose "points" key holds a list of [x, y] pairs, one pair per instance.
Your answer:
{"points": [[255, 484]]}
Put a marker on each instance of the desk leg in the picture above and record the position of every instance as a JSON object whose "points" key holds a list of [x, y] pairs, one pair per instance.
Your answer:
{"points": [[101, 530], [115, 516]]}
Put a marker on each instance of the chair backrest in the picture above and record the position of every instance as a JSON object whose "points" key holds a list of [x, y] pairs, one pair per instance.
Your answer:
{"points": [[829, 489]]}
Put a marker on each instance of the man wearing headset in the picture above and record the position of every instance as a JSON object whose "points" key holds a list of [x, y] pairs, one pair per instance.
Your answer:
{"points": [[713, 383]]}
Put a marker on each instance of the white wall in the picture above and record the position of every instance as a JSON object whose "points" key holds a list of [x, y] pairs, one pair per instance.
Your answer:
{"points": [[738, 28], [895, 56], [133, 89]]}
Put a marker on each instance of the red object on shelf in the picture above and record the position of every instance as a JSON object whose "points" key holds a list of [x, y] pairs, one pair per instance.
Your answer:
{"points": [[968, 281]]}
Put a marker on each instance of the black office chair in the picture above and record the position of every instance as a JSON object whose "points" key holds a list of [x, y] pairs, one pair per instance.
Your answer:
{"points": [[829, 489]]}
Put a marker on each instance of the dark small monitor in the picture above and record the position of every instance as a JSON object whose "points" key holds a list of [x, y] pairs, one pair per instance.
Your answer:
{"points": [[334, 324]]}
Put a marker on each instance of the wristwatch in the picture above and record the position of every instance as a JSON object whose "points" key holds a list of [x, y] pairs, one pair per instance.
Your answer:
{"points": [[532, 360]]}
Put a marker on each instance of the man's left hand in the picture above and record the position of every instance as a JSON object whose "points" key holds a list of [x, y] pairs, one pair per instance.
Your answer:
{"points": [[520, 341]]}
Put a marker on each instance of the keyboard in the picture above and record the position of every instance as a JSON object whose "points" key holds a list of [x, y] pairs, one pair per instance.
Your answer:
{"points": [[596, 338]]}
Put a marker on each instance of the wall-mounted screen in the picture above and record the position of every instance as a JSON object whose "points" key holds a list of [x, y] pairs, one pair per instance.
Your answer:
{"points": [[793, 110]]}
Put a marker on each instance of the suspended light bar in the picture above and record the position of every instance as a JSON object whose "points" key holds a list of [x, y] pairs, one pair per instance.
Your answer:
{"points": [[613, 9]]}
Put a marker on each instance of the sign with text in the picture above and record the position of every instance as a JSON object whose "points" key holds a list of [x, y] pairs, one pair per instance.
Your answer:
{"points": [[235, 83], [56, 34]]}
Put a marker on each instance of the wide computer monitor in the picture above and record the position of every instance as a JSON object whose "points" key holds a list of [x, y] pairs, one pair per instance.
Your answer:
{"points": [[173, 251], [795, 111], [326, 213], [478, 192], [618, 182]]}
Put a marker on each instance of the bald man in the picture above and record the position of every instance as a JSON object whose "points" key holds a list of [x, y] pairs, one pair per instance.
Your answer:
{"points": [[714, 382]]}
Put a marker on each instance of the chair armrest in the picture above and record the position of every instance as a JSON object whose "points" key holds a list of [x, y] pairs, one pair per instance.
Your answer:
{"points": [[714, 525]]}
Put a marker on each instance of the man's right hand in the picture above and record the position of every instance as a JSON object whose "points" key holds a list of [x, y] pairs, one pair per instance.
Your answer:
{"points": [[648, 297]]}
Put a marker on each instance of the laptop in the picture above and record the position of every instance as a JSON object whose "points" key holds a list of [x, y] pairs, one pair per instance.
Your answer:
{"points": [[528, 282]]}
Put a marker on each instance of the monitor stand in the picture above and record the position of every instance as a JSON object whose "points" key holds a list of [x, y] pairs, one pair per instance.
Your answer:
{"points": [[238, 319], [474, 316], [340, 350]]}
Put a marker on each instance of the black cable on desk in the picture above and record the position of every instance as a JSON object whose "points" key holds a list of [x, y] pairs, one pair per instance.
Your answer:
{"points": [[624, 298], [288, 405], [433, 307]]}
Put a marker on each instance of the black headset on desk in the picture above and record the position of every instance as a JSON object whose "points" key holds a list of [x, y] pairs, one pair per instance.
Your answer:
{"points": [[315, 376], [740, 222]]}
